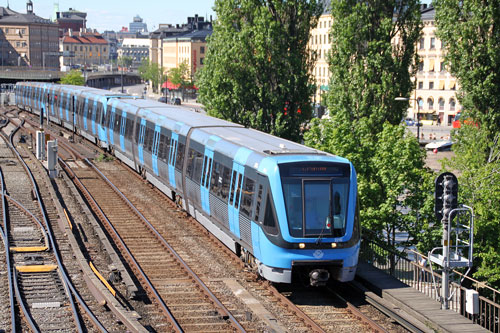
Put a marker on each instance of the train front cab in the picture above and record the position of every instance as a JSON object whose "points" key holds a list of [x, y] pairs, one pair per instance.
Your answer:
{"points": [[314, 209]]}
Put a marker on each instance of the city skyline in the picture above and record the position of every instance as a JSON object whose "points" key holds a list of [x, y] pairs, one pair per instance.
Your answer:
{"points": [[113, 14]]}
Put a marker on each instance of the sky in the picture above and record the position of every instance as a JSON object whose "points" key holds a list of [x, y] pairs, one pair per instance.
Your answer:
{"points": [[115, 14]]}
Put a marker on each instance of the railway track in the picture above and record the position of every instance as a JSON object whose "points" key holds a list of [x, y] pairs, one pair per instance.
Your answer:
{"points": [[172, 224], [40, 287]]}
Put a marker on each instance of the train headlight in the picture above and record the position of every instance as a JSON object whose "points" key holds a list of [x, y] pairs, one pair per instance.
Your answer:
{"points": [[334, 245], [302, 245]]}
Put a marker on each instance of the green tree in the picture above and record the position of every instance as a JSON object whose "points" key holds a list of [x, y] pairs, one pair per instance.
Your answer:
{"points": [[73, 77], [373, 49], [257, 65], [469, 30], [125, 61], [179, 76], [477, 159], [471, 35], [150, 71]]}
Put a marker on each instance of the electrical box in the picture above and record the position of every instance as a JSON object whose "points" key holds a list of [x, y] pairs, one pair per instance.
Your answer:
{"points": [[40, 145], [471, 301], [52, 158]]}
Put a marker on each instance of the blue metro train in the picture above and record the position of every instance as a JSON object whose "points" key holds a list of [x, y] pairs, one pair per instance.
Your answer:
{"points": [[282, 207]]}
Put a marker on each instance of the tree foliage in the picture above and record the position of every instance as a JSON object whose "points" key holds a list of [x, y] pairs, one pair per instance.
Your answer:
{"points": [[477, 159], [471, 35], [257, 68], [125, 61], [369, 70], [152, 72], [73, 77]]}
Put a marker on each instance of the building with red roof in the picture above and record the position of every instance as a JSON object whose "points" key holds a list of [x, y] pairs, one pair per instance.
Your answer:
{"points": [[84, 48]]}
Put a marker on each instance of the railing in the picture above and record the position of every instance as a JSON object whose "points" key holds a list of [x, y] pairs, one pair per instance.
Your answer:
{"points": [[411, 268]]}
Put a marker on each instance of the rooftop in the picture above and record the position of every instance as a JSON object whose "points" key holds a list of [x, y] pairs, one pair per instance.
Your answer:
{"points": [[7, 15]]}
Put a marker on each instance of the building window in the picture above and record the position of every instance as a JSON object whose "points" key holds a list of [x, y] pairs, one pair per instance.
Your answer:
{"points": [[201, 61], [433, 43], [430, 104], [422, 43], [441, 66], [420, 103], [81, 48], [420, 85], [431, 85], [202, 49], [420, 66], [452, 104], [67, 47], [441, 104]]}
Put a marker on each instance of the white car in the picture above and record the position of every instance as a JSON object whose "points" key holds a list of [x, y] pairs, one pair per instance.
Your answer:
{"points": [[439, 145]]}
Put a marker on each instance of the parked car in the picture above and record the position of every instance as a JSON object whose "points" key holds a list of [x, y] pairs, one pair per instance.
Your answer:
{"points": [[439, 145], [163, 99], [409, 122]]}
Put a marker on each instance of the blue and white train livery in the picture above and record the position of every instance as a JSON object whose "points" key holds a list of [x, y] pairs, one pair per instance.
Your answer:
{"points": [[286, 209]]}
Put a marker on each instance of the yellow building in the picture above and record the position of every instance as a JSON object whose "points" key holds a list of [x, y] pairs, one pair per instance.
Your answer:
{"points": [[320, 44], [84, 48], [435, 86], [434, 97], [27, 39]]}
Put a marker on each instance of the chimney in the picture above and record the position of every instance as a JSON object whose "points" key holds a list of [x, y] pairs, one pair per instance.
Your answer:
{"points": [[29, 7], [70, 32]]}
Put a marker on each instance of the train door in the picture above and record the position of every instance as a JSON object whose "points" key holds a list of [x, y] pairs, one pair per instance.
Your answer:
{"points": [[93, 117], [61, 102], [85, 114], [154, 150], [101, 121], [111, 123], [205, 179], [235, 198], [122, 130], [174, 142], [73, 111], [68, 106], [140, 141]]}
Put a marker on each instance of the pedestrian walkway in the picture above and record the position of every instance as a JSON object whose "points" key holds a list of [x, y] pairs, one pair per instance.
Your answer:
{"points": [[419, 306]]}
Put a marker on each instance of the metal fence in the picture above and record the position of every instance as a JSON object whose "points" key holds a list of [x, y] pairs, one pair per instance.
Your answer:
{"points": [[411, 268]]}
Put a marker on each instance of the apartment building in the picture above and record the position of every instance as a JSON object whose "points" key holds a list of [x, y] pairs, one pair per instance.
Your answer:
{"points": [[434, 97], [27, 39]]}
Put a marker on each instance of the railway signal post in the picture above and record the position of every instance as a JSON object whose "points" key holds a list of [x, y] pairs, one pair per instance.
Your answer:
{"points": [[457, 241]]}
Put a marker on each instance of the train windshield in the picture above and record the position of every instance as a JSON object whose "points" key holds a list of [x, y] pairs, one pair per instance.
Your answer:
{"points": [[316, 198]]}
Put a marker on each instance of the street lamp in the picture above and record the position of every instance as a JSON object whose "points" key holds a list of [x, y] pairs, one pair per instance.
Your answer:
{"points": [[406, 99]]}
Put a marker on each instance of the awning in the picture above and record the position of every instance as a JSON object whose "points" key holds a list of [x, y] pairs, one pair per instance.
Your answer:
{"points": [[170, 85], [426, 111], [441, 85], [452, 85]]}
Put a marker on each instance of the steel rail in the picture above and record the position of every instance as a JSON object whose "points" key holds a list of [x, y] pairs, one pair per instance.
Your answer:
{"points": [[33, 217], [356, 312], [129, 257], [164, 242], [7, 254], [67, 283]]}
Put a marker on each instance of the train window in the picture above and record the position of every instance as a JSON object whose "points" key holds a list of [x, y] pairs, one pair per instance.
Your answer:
{"points": [[247, 196], [269, 219], [190, 163], [292, 190], [129, 126], [163, 147], [204, 173], [99, 113], [238, 191], [180, 156], [118, 120], [208, 173], [137, 129], [226, 181], [233, 186], [197, 166], [259, 200], [148, 139], [214, 182]]}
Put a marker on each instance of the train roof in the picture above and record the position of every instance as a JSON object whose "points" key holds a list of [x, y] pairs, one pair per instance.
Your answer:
{"points": [[245, 137]]}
